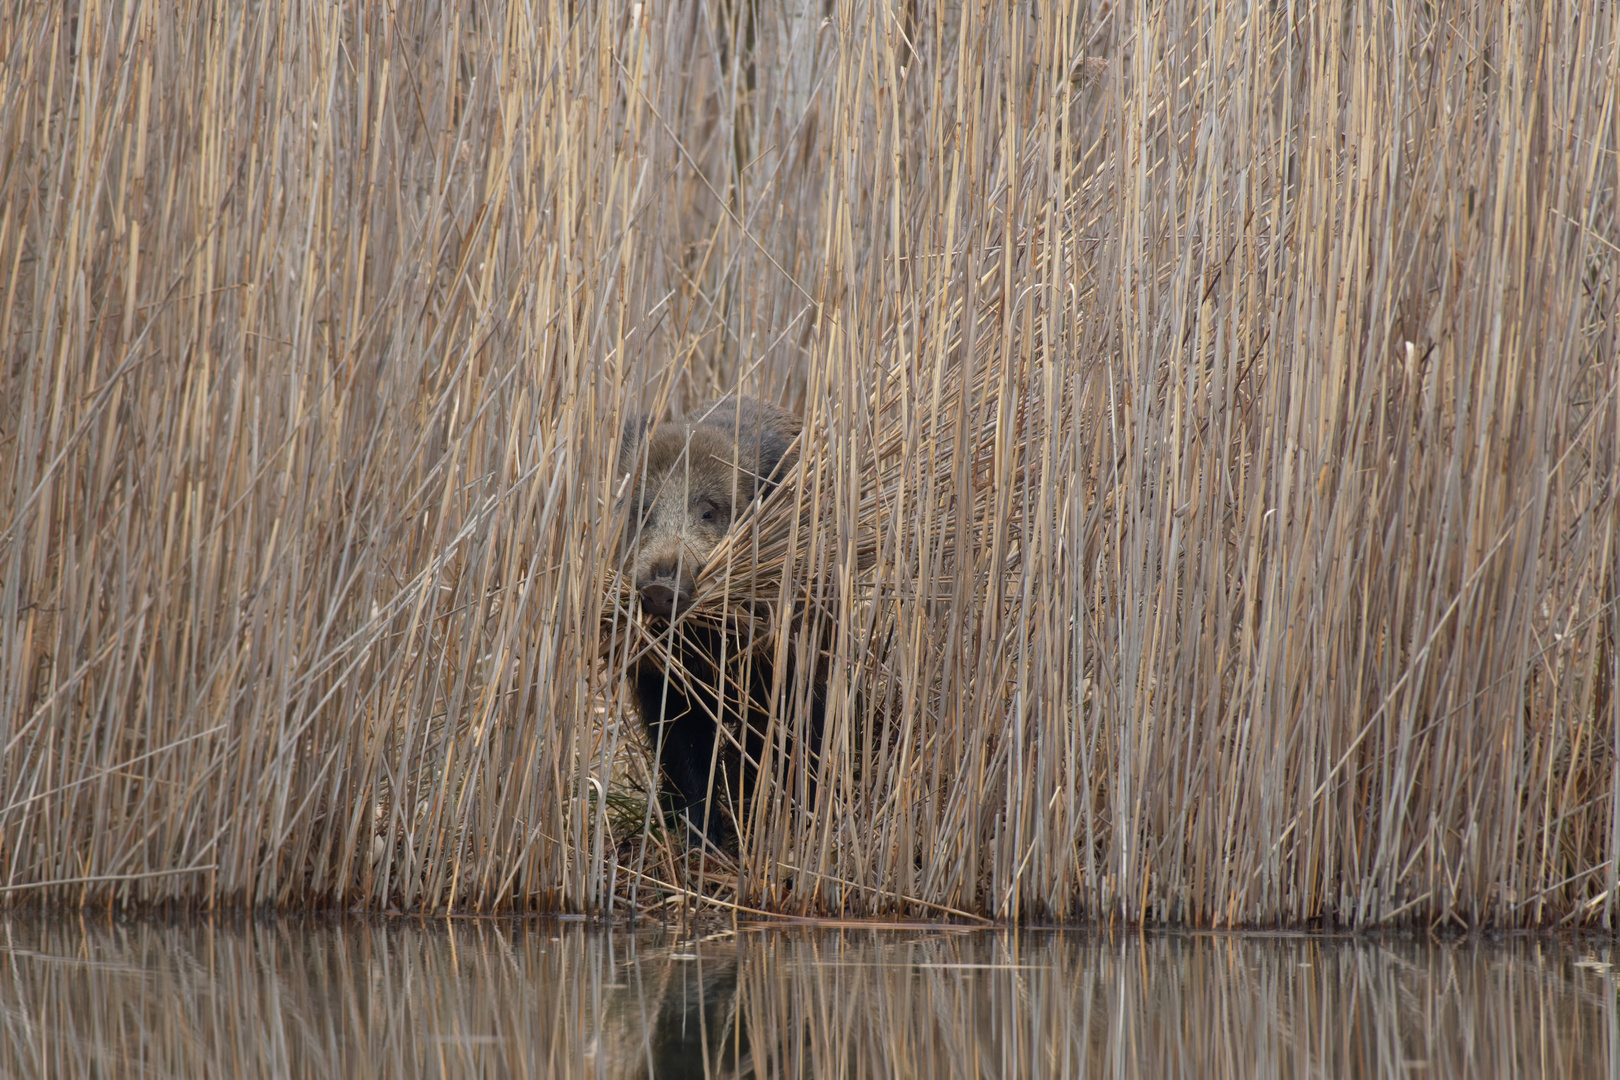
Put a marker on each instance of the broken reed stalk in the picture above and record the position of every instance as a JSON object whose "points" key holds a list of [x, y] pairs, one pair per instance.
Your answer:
{"points": [[1208, 508]]}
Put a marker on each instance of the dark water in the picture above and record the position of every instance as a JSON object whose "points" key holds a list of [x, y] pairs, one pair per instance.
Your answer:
{"points": [[92, 997]]}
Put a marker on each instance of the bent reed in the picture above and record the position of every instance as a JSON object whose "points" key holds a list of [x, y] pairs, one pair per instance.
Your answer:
{"points": [[1207, 507]]}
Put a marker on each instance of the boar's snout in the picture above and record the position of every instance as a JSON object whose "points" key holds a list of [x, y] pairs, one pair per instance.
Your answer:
{"points": [[665, 588]]}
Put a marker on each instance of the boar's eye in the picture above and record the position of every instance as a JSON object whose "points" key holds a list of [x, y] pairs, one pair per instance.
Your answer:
{"points": [[711, 513]]}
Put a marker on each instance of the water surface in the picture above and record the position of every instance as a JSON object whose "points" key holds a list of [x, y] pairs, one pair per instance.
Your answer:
{"points": [[84, 996]]}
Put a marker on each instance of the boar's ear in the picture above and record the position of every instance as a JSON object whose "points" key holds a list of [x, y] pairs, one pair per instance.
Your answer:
{"points": [[635, 429], [777, 429], [763, 430]]}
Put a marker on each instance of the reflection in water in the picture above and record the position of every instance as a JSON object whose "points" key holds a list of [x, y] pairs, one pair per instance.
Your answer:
{"points": [[87, 997]]}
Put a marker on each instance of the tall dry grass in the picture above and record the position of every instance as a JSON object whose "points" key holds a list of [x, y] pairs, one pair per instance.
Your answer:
{"points": [[1209, 509]]}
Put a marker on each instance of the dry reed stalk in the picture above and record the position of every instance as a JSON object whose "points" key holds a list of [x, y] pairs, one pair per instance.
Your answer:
{"points": [[1208, 511]]}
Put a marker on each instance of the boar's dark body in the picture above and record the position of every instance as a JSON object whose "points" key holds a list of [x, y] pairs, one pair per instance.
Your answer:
{"points": [[694, 477]]}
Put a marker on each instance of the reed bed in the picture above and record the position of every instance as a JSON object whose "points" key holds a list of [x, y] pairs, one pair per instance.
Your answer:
{"points": [[1207, 511]]}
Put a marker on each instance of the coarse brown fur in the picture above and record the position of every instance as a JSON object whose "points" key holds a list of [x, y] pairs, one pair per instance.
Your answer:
{"points": [[694, 478]]}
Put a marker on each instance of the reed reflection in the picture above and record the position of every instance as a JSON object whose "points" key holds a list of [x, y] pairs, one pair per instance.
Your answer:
{"points": [[84, 997]]}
